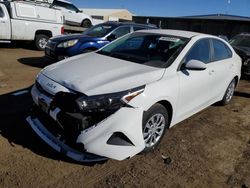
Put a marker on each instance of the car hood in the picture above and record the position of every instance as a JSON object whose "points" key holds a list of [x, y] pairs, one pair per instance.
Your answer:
{"points": [[61, 38], [94, 74]]}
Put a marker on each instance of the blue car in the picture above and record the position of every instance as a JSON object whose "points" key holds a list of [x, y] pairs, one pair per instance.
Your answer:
{"points": [[64, 46]]}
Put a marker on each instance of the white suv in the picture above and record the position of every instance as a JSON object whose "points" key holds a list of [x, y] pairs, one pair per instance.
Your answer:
{"points": [[120, 100], [72, 14]]}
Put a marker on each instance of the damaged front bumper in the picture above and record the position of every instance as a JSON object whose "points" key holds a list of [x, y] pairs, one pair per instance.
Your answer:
{"points": [[59, 146], [117, 136]]}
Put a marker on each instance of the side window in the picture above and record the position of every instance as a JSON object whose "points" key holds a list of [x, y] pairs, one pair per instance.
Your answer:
{"points": [[121, 31], [200, 51], [131, 44], [137, 28], [1, 13], [221, 50]]}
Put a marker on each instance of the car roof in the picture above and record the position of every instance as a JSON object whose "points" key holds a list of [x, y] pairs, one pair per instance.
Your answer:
{"points": [[179, 33], [64, 1], [245, 34], [130, 23]]}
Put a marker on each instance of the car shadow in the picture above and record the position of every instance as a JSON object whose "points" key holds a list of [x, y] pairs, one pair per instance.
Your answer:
{"points": [[242, 94], [19, 44], [15, 107], [38, 62]]}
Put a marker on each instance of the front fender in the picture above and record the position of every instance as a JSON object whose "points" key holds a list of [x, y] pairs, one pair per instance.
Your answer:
{"points": [[127, 121]]}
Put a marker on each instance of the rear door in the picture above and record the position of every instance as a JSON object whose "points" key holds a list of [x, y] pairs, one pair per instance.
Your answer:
{"points": [[224, 65], [5, 30]]}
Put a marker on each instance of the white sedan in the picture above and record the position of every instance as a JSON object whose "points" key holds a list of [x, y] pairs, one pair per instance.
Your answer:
{"points": [[120, 100]]}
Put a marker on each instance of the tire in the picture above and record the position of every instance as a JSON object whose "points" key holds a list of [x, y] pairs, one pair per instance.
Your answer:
{"points": [[229, 93], [156, 116], [41, 41], [86, 23]]}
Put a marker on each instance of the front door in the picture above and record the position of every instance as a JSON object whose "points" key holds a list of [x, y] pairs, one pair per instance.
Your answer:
{"points": [[196, 87]]}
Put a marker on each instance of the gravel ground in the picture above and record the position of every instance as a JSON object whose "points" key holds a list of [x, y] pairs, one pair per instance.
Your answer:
{"points": [[210, 149]]}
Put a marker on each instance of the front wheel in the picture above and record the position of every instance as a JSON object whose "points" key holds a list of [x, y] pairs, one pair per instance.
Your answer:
{"points": [[229, 93], [155, 122], [41, 42]]}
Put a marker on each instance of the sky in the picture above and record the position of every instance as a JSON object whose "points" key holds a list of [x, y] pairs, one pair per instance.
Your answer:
{"points": [[172, 7]]}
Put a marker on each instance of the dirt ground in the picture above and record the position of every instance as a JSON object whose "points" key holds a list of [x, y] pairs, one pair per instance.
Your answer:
{"points": [[210, 149]]}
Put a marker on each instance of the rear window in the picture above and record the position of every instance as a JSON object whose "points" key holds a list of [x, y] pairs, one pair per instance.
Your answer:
{"points": [[221, 50], [241, 41], [99, 30], [65, 5], [137, 28]]}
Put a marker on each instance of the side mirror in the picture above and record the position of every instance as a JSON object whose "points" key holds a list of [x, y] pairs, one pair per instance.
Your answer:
{"points": [[195, 65], [111, 37]]}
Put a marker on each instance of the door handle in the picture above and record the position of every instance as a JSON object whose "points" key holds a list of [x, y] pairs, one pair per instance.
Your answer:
{"points": [[211, 72], [2, 22]]}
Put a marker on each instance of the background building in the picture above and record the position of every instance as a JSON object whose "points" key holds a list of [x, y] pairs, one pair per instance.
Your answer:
{"points": [[215, 24], [102, 15]]}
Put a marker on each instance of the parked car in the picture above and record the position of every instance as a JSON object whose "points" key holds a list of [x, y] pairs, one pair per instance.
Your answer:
{"points": [[241, 44], [120, 100], [28, 21], [72, 14], [61, 47]]}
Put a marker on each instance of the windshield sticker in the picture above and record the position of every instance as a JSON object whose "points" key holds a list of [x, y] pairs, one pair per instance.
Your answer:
{"points": [[169, 39]]}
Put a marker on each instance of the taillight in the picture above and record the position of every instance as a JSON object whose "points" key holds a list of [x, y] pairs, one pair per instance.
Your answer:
{"points": [[62, 30]]}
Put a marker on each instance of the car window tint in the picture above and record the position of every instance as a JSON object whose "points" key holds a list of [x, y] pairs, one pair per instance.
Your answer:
{"points": [[1, 13], [65, 5], [133, 43], [136, 28], [121, 31], [221, 51], [200, 51]]}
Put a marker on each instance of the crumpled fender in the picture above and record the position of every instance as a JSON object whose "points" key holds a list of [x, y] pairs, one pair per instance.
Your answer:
{"points": [[127, 121]]}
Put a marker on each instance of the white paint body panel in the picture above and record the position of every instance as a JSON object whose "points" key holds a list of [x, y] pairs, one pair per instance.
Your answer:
{"points": [[188, 91], [5, 29], [26, 19], [72, 16]]}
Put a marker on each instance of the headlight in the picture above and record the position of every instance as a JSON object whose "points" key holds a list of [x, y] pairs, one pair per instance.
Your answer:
{"points": [[67, 44], [108, 102]]}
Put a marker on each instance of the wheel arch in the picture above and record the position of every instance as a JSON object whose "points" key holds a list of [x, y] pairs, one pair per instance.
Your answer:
{"points": [[169, 108], [236, 79], [44, 32]]}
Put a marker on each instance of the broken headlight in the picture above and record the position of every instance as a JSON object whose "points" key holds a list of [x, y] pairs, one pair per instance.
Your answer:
{"points": [[108, 102]]}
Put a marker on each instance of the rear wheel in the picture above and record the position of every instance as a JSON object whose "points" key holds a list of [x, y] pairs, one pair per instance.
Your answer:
{"points": [[86, 23], [229, 93], [155, 122], [41, 41]]}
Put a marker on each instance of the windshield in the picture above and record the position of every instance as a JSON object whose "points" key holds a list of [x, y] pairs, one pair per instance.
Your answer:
{"points": [[240, 41], [148, 49], [99, 30]]}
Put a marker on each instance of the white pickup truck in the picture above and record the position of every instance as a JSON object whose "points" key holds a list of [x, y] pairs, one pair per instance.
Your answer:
{"points": [[29, 21]]}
